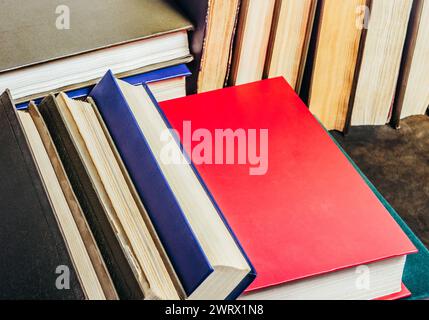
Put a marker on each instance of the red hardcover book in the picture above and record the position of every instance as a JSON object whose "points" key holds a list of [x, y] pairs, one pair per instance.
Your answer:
{"points": [[307, 220], [404, 293]]}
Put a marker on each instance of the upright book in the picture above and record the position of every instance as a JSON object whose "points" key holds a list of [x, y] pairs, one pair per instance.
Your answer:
{"points": [[211, 43], [381, 59], [290, 39], [336, 61], [202, 248], [310, 224], [251, 43], [412, 95]]}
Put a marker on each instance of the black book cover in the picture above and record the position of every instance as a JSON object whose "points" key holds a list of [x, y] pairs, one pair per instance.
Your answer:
{"points": [[33, 252]]}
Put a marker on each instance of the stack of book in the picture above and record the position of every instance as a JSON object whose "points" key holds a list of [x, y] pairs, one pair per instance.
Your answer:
{"points": [[279, 33], [105, 188], [70, 46], [117, 186]]}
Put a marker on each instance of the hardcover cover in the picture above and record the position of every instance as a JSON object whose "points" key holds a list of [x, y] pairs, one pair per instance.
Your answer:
{"points": [[32, 244], [174, 231], [99, 24], [312, 212]]}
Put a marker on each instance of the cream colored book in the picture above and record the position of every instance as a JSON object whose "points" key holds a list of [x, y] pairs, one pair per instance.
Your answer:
{"points": [[123, 209], [80, 254], [251, 44], [413, 95], [168, 89], [290, 37], [336, 59], [378, 75], [221, 23]]}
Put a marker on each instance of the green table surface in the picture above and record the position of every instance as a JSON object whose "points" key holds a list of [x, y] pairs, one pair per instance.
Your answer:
{"points": [[416, 274]]}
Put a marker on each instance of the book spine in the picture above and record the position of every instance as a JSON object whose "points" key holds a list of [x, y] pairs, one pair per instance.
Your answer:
{"points": [[406, 62], [122, 275], [174, 231], [247, 281], [74, 205]]}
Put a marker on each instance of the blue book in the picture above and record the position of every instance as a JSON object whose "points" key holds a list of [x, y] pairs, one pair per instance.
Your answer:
{"points": [[180, 70], [208, 259]]}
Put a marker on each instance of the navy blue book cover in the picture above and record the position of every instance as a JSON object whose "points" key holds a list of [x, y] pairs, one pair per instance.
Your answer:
{"points": [[176, 235]]}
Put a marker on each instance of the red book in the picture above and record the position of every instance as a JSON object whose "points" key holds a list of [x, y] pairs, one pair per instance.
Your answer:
{"points": [[311, 219], [404, 293]]}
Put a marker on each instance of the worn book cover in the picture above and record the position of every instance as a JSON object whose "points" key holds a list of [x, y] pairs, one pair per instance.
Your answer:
{"points": [[33, 252], [33, 32]]}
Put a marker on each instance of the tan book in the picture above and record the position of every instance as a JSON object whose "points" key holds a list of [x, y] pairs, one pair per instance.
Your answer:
{"points": [[378, 75], [117, 214], [253, 33], [219, 34], [290, 38], [413, 93], [336, 58], [83, 249]]}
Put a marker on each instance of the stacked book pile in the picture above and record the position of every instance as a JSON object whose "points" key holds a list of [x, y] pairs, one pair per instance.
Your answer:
{"points": [[70, 46], [111, 193], [115, 185]]}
